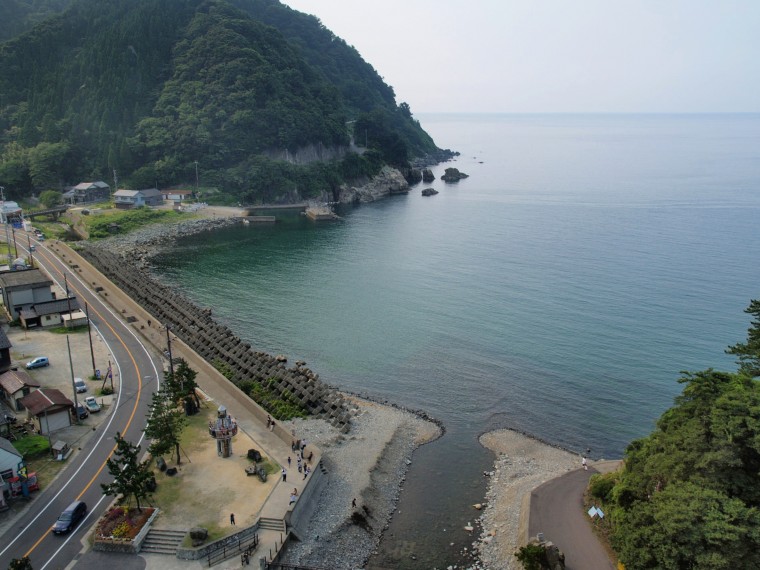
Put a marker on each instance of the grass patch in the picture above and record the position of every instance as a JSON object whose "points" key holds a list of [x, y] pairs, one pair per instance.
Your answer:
{"points": [[129, 220], [32, 446], [64, 330]]}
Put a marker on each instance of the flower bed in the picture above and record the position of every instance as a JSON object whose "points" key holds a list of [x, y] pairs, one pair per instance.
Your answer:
{"points": [[122, 523]]}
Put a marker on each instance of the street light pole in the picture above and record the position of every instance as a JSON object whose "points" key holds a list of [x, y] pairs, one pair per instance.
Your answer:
{"points": [[169, 350], [73, 384], [89, 333]]}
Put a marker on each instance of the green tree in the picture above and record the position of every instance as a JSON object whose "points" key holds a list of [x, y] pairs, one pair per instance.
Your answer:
{"points": [[182, 383], [132, 478], [749, 352], [51, 198], [165, 424], [688, 526], [532, 557]]}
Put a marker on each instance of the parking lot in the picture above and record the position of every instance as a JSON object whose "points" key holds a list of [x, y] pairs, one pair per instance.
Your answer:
{"points": [[40, 342]]}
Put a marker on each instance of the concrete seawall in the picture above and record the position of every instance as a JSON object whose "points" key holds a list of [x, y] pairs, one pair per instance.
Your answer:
{"points": [[215, 344]]}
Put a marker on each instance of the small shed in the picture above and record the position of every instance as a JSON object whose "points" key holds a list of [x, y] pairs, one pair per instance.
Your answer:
{"points": [[49, 409]]}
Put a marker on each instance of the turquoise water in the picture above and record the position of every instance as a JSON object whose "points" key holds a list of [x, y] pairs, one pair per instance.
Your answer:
{"points": [[559, 289]]}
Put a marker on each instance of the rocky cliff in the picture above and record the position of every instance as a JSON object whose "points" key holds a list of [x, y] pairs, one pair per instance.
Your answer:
{"points": [[388, 181]]}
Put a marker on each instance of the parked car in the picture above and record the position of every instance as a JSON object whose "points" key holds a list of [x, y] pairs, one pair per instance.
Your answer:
{"points": [[38, 362], [80, 385], [92, 404], [82, 412], [70, 517]]}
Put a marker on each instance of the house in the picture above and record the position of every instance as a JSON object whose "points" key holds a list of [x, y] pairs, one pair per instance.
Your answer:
{"points": [[176, 195], [86, 192], [9, 460], [49, 409], [48, 313], [126, 199], [22, 289], [15, 385], [5, 351]]}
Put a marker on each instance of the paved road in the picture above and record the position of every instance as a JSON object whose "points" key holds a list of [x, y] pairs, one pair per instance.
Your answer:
{"points": [[138, 371], [556, 509]]}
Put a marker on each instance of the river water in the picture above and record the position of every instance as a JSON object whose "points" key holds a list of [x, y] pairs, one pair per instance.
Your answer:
{"points": [[558, 290]]}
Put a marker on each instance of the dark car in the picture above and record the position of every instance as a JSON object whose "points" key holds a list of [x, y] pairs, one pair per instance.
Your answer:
{"points": [[82, 412], [70, 518]]}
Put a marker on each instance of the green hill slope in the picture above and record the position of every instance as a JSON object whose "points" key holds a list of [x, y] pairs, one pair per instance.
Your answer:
{"points": [[149, 87]]}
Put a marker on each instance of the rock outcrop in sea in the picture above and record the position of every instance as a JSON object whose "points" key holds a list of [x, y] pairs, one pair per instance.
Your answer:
{"points": [[388, 181], [453, 175]]}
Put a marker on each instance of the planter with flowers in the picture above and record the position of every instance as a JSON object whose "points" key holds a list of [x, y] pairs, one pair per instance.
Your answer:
{"points": [[123, 529]]}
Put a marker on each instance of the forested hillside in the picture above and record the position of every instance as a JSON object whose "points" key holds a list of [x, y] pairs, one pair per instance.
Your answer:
{"points": [[149, 87], [689, 494], [18, 16]]}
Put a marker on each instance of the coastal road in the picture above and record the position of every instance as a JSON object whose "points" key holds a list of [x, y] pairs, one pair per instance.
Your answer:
{"points": [[138, 371], [556, 509]]}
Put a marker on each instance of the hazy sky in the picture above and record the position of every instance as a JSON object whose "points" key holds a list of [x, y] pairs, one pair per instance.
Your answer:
{"points": [[557, 55]]}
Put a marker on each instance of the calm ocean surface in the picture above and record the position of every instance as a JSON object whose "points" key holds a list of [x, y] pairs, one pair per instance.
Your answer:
{"points": [[559, 290]]}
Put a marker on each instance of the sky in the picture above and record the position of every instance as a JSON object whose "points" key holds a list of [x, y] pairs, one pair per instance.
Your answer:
{"points": [[557, 56]]}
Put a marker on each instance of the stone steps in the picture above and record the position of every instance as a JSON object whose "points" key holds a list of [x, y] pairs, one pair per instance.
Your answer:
{"points": [[272, 524], [163, 541]]}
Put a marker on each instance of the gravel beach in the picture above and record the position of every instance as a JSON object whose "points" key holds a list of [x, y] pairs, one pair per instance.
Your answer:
{"points": [[522, 464]]}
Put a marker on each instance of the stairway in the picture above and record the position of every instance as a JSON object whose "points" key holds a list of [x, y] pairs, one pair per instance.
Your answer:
{"points": [[161, 541], [266, 523]]}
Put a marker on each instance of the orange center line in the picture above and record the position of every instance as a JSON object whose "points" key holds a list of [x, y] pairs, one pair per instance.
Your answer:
{"points": [[40, 253]]}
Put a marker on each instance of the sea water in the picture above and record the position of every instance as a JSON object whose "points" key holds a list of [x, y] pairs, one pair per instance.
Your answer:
{"points": [[559, 290]]}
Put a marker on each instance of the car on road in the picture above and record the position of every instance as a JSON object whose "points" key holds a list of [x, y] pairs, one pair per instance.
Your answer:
{"points": [[80, 385], [32, 248], [82, 412], [38, 362], [91, 404], [70, 517]]}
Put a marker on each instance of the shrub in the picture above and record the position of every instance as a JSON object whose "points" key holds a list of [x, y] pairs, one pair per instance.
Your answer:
{"points": [[601, 486]]}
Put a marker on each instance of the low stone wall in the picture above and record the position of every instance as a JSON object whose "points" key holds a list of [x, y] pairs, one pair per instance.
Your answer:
{"points": [[214, 342], [231, 540], [297, 518]]}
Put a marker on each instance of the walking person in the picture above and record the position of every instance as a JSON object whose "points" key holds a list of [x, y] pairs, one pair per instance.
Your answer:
{"points": [[284, 474], [288, 460], [232, 519], [583, 462]]}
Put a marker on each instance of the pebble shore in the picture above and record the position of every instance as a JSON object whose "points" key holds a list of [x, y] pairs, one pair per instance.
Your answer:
{"points": [[368, 464]]}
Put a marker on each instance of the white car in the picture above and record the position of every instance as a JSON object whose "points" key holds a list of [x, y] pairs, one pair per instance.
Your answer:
{"points": [[91, 404], [80, 385]]}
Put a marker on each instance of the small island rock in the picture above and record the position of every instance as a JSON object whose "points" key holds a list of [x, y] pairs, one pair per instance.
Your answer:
{"points": [[453, 175], [429, 192]]}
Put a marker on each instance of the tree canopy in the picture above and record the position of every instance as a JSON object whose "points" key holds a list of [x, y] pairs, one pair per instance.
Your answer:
{"points": [[689, 496], [149, 87], [131, 478]]}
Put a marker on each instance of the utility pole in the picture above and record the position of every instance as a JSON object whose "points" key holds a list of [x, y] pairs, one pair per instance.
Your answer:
{"points": [[68, 298], [31, 254], [73, 384], [169, 350], [4, 217], [115, 184], [89, 333], [15, 246], [196, 179]]}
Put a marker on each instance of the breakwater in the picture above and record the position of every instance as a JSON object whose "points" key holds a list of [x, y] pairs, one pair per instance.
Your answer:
{"points": [[217, 344]]}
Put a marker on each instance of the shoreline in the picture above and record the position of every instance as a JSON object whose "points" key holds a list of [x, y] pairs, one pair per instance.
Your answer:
{"points": [[370, 463]]}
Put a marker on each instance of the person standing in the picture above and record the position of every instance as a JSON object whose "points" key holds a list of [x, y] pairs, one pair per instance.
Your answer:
{"points": [[284, 474], [584, 463], [232, 519]]}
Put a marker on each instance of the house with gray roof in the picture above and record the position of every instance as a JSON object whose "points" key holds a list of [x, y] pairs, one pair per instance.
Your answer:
{"points": [[86, 192], [126, 199], [22, 289], [48, 313]]}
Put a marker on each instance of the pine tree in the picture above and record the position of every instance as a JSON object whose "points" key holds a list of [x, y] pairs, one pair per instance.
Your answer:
{"points": [[165, 424], [131, 477]]}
